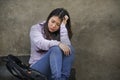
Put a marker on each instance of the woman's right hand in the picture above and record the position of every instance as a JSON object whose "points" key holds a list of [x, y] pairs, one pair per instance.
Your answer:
{"points": [[65, 49]]}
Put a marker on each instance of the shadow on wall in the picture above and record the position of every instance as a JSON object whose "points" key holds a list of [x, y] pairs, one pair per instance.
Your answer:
{"points": [[97, 54]]}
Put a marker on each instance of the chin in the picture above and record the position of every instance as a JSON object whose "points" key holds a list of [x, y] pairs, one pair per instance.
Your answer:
{"points": [[52, 31]]}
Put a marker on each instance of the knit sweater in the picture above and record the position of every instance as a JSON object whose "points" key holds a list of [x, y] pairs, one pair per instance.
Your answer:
{"points": [[39, 42]]}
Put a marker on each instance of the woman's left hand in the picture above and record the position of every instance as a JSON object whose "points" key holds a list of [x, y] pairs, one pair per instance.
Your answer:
{"points": [[65, 19]]}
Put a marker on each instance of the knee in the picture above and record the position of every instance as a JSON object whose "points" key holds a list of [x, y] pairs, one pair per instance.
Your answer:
{"points": [[55, 53], [55, 48]]}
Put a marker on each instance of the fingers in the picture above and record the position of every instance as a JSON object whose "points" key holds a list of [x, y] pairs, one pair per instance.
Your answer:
{"points": [[65, 19], [65, 49]]}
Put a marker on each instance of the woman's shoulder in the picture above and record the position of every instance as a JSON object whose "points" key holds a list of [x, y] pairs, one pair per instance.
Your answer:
{"points": [[42, 23]]}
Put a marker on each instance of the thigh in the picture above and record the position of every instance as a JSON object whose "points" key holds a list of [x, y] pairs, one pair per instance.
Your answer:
{"points": [[43, 65]]}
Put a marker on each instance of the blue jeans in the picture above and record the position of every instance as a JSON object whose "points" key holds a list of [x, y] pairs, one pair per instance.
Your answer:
{"points": [[55, 64]]}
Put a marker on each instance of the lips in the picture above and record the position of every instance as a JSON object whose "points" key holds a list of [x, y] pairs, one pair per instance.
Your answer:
{"points": [[52, 30]]}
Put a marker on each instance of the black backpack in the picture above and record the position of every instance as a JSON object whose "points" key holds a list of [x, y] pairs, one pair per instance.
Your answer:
{"points": [[22, 71]]}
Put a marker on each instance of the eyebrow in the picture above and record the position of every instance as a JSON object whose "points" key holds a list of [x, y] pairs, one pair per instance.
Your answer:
{"points": [[57, 22]]}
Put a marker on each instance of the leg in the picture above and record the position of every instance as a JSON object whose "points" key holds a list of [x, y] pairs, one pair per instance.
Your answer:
{"points": [[50, 63], [56, 62], [67, 63], [43, 64]]}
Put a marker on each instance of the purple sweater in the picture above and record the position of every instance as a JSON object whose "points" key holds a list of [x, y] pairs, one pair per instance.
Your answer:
{"points": [[39, 42]]}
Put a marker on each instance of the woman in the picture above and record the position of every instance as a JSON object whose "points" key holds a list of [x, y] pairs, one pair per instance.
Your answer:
{"points": [[51, 51]]}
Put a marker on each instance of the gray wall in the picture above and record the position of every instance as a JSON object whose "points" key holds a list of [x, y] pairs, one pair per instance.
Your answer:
{"points": [[95, 24]]}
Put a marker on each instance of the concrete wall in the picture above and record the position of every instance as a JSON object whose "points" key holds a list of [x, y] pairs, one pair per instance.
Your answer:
{"points": [[95, 24]]}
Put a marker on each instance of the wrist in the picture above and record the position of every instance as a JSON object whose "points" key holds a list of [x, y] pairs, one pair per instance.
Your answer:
{"points": [[62, 24], [59, 44]]}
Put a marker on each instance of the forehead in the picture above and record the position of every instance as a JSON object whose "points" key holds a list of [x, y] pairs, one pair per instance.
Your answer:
{"points": [[56, 19]]}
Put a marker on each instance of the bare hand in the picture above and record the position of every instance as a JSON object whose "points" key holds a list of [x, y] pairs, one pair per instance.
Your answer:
{"points": [[65, 49], [65, 19]]}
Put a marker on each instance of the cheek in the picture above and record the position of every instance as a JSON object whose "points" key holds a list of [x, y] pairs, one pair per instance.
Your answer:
{"points": [[57, 28], [49, 24]]}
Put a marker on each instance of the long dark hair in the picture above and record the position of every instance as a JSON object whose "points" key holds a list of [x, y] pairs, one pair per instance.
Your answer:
{"points": [[60, 12]]}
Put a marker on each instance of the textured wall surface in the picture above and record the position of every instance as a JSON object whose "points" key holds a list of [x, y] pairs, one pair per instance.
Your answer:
{"points": [[95, 24]]}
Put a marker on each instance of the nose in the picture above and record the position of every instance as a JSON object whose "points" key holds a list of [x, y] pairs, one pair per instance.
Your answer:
{"points": [[54, 25]]}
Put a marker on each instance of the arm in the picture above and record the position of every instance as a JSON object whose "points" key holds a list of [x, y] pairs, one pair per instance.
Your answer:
{"points": [[64, 35], [37, 38]]}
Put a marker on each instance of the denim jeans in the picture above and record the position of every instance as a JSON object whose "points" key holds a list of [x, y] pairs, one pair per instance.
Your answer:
{"points": [[55, 64]]}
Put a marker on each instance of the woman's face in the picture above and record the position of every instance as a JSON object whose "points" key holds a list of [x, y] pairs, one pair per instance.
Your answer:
{"points": [[54, 23]]}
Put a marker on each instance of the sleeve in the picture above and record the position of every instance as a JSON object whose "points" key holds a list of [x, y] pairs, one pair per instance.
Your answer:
{"points": [[64, 35], [39, 41]]}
